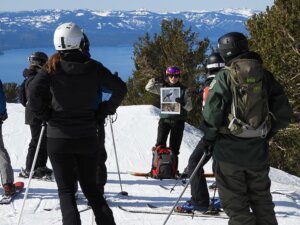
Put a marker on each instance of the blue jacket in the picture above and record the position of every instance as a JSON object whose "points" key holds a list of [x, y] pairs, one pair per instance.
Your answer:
{"points": [[2, 100]]}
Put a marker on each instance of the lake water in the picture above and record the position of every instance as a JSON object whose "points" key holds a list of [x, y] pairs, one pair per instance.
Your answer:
{"points": [[116, 59]]}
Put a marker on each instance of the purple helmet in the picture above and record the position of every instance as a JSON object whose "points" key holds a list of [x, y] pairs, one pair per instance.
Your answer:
{"points": [[172, 70]]}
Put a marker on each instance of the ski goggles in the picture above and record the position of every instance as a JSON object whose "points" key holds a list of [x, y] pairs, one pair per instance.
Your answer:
{"points": [[173, 71], [174, 75]]}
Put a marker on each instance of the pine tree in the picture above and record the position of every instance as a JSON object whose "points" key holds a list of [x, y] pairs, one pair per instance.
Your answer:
{"points": [[275, 35], [11, 92], [176, 46]]}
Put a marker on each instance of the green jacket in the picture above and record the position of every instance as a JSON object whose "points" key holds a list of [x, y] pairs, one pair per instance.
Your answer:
{"points": [[249, 152]]}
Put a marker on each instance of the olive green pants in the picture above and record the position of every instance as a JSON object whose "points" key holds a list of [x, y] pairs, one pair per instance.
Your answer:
{"points": [[245, 194]]}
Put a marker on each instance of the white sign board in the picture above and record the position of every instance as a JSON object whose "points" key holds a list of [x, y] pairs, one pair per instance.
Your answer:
{"points": [[168, 105]]}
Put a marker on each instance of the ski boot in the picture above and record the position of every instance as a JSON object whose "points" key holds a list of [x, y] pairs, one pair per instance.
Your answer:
{"points": [[43, 173], [9, 189], [188, 207], [214, 207], [24, 173]]}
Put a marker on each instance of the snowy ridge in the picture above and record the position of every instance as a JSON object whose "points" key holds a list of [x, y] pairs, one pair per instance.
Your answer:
{"points": [[35, 28], [135, 133]]}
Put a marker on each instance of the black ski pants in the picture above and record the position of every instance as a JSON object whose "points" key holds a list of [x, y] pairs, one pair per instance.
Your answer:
{"points": [[241, 189], [175, 129], [42, 156], [102, 156], [199, 190], [72, 160]]}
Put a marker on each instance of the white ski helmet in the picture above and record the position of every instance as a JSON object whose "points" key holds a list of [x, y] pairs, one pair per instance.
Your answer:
{"points": [[68, 36]]}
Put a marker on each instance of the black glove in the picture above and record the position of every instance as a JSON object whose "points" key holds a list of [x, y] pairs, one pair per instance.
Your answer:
{"points": [[105, 109], [3, 116], [270, 135], [208, 146], [44, 115], [159, 80], [180, 100]]}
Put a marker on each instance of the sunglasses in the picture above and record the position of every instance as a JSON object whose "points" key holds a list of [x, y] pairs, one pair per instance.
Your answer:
{"points": [[173, 75]]}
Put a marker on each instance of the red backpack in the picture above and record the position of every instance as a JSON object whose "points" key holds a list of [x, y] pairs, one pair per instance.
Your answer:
{"points": [[163, 163]]}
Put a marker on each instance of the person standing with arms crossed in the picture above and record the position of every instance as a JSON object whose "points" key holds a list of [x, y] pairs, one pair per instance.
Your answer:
{"points": [[65, 95]]}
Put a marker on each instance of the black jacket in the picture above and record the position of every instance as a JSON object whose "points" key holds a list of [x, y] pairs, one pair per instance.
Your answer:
{"points": [[30, 117], [67, 99]]}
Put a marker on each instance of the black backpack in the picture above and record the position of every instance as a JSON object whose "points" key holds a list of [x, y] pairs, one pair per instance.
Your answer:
{"points": [[163, 163]]}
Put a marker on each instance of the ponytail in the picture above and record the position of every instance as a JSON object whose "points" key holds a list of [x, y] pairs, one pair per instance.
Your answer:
{"points": [[53, 63]]}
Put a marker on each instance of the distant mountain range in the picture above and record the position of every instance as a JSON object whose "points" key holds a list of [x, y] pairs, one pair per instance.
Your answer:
{"points": [[29, 29]]}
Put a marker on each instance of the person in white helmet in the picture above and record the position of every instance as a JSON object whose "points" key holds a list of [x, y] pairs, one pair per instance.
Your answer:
{"points": [[65, 95]]}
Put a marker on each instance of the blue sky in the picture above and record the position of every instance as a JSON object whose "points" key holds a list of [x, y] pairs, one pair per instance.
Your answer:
{"points": [[152, 5]]}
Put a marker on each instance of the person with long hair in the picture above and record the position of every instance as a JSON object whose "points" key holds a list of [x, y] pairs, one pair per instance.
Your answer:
{"points": [[65, 95]]}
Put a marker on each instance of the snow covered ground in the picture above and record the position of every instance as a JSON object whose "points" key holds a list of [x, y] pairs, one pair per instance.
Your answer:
{"points": [[135, 133]]}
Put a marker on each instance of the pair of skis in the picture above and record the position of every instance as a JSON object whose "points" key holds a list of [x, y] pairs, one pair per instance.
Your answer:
{"points": [[152, 209], [7, 199], [148, 175]]}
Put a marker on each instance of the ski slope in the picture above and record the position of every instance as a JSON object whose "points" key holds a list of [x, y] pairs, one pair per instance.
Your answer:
{"points": [[135, 133]]}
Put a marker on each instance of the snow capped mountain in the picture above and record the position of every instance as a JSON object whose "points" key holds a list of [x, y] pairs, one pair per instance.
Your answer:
{"points": [[35, 28]]}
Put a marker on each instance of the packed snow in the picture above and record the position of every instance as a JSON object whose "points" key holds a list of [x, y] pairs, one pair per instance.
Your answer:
{"points": [[135, 133]]}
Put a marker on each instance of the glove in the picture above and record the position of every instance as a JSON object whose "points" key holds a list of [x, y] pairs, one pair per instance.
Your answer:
{"points": [[3, 116], [44, 115], [159, 80], [105, 109], [180, 100], [270, 135], [208, 146]]}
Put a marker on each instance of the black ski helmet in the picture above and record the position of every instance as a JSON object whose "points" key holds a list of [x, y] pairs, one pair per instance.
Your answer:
{"points": [[232, 44], [214, 62], [38, 59]]}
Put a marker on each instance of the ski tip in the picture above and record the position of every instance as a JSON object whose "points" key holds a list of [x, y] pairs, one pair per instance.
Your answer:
{"points": [[151, 206], [139, 174], [123, 193], [19, 184]]}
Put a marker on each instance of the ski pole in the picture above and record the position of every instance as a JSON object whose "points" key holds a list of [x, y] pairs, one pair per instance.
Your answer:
{"points": [[200, 164], [116, 156], [32, 169], [212, 210], [179, 179], [92, 218]]}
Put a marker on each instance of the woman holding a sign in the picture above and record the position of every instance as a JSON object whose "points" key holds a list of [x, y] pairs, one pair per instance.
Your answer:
{"points": [[175, 103]]}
